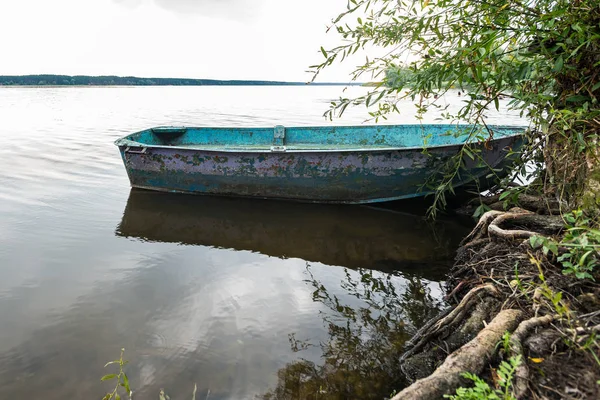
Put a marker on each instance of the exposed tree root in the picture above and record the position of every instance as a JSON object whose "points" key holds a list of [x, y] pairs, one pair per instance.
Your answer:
{"points": [[526, 201], [491, 225], [472, 357], [516, 348], [448, 321], [494, 270], [497, 244], [480, 230], [495, 229], [541, 224]]}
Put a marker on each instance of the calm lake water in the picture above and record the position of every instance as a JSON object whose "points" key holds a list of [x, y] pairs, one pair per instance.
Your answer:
{"points": [[245, 299]]}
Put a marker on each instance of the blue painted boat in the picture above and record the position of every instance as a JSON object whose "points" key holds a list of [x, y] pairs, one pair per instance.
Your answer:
{"points": [[336, 164]]}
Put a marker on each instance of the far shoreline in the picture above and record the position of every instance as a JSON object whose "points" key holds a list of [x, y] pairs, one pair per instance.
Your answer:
{"points": [[147, 86], [49, 80]]}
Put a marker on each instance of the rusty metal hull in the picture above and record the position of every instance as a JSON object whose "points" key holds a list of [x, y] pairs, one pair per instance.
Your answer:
{"points": [[169, 160]]}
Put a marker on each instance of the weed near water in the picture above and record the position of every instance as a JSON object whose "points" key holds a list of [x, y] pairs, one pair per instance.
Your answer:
{"points": [[582, 243], [122, 381], [579, 249], [483, 391]]}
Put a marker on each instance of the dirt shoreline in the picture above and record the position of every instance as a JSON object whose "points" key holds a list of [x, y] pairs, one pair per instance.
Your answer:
{"points": [[500, 283]]}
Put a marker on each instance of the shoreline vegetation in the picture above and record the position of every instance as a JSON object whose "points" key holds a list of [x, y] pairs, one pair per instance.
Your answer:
{"points": [[523, 321], [86, 80]]}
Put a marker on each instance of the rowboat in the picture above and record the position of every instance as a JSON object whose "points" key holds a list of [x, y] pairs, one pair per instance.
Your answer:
{"points": [[329, 164], [372, 237]]}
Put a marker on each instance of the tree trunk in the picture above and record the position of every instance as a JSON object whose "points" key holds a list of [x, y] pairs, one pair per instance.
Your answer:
{"points": [[573, 174]]}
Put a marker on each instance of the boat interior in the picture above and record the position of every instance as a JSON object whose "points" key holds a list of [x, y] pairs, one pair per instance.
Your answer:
{"points": [[312, 138]]}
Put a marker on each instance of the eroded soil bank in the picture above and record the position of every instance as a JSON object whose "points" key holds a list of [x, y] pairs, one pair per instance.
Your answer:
{"points": [[505, 281]]}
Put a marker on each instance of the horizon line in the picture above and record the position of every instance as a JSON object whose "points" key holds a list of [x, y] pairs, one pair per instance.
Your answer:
{"points": [[157, 81]]}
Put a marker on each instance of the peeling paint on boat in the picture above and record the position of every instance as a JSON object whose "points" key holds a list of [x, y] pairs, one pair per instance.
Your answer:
{"points": [[357, 164]]}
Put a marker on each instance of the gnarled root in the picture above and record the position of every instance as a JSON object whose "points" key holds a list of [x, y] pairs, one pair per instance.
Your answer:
{"points": [[472, 357], [532, 203], [516, 348], [480, 230], [448, 321], [489, 225], [494, 228]]}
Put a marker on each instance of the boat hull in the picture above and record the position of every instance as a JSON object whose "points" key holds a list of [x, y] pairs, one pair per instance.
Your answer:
{"points": [[354, 177]]}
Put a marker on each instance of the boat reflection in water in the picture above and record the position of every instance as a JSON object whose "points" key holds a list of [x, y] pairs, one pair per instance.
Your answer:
{"points": [[350, 347], [350, 236]]}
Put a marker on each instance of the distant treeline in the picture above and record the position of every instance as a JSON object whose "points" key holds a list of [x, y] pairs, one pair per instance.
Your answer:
{"points": [[82, 80]]}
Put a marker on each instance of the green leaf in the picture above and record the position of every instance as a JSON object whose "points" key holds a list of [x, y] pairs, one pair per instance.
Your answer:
{"points": [[568, 271], [583, 275], [112, 362], [108, 377], [469, 153], [545, 249], [324, 52], [479, 211], [557, 298], [126, 383], [558, 64], [536, 241], [576, 98], [505, 195]]}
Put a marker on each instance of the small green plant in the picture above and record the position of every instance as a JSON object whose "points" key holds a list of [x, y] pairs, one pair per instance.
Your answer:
{"points": [[517, 282], [121, 379], [582, 243], [555, 298], [123, 382], [480, 210], [510, 197], [548, 245], [482, 390], [505, 342]]}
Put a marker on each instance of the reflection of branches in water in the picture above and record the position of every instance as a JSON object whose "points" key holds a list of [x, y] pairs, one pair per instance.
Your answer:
{"points": [[365, 341]]}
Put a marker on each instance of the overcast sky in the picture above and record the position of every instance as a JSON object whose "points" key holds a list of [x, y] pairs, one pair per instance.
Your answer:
{"points": [[222, 39]]}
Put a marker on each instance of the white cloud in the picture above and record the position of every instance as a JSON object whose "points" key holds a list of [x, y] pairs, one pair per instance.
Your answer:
{"points": [[226, 39]]}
